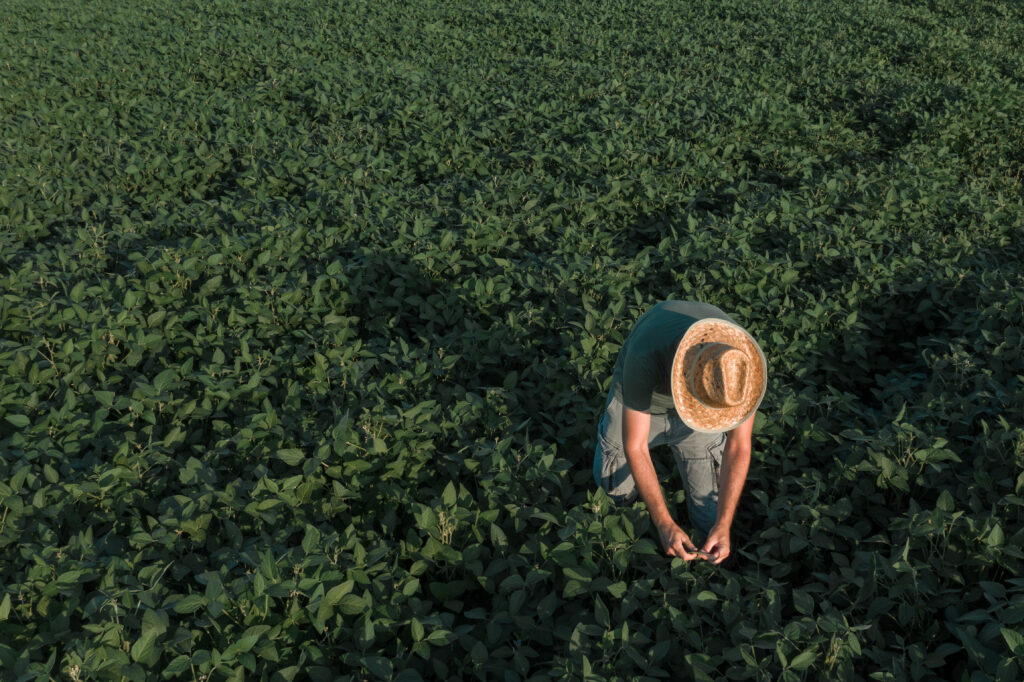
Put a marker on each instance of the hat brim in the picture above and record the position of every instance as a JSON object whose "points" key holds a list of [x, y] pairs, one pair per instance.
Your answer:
{"points": [[695, 414]]}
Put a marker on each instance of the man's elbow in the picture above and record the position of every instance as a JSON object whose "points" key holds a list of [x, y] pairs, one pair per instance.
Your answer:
{"points": [[738, 452], [635, 451]]}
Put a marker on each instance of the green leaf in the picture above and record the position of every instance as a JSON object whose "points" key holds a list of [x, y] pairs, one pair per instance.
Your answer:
{"points": [[291, 456], [498, 537], [335, 594], [645, 546], [853, 643], [478, 654], [77, 291], [421, 649], [5, 607], [547, 606], [178, 665], [19, 420], [705, 598], [996, 537], [189, 604], [153, 622], [449, 495], [351, 605], [242, 645], [164, 380], [143, 647], [617, 590], [441, 637], [803, 602], [211, 285], [577, 573], [268, 565], [287, 674], [368, 633], [1014, 639], [601, 613], [311, 540], [380, 667], [803, 660]]}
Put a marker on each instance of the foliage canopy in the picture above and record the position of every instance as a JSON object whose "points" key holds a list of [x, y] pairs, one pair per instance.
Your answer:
{"points": [[308, 310]]}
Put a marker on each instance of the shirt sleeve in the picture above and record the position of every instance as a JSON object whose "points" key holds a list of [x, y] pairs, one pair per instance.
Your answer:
{"points": [[638, 375]]}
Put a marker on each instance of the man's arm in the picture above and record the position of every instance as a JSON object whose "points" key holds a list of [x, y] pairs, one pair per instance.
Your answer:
{"points": [[636, 429], [735, 464]]}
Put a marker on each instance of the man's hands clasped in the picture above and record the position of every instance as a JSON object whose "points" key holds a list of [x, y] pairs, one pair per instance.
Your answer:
{"points": [[677, 543]]}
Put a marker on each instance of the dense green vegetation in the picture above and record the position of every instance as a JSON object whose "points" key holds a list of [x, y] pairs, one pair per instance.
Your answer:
{"points": [[308, 310]]}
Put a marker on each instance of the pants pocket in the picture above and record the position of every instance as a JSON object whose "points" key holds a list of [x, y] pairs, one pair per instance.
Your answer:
{"points": [[714, 450], [699, 460], [611, 469]]}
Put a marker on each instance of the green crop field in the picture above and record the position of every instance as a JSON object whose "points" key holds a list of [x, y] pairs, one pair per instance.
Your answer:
{"points": [[308, 310]]}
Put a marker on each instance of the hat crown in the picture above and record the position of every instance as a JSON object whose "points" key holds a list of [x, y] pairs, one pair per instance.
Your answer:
{"points": [[719, 378]]}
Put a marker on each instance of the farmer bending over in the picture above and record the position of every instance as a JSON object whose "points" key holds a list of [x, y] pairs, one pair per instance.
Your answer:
{"points": [[691, 378]]}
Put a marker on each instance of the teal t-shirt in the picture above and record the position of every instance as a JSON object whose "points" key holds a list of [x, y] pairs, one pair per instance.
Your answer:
{"points": [[643, 370]]}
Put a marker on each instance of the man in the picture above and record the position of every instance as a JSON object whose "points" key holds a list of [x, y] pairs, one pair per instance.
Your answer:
{"points": [[691, 378]]}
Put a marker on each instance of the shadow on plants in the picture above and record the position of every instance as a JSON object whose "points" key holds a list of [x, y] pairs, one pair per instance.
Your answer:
{"points": [[885, 349], [650, 230], [893, 129]]}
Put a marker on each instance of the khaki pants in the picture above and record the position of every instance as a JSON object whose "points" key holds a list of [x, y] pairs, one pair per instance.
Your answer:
{"points": [[698, 458]]}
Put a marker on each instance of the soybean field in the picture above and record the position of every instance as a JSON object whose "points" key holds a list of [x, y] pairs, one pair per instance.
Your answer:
{"points": [[308, 310]]}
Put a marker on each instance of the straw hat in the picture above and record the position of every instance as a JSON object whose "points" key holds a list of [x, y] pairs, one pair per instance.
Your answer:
{"points": [[718, 376]]}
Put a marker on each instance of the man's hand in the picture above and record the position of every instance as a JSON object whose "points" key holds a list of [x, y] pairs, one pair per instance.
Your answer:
{"points": [[717, 545], [676, 542]]}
